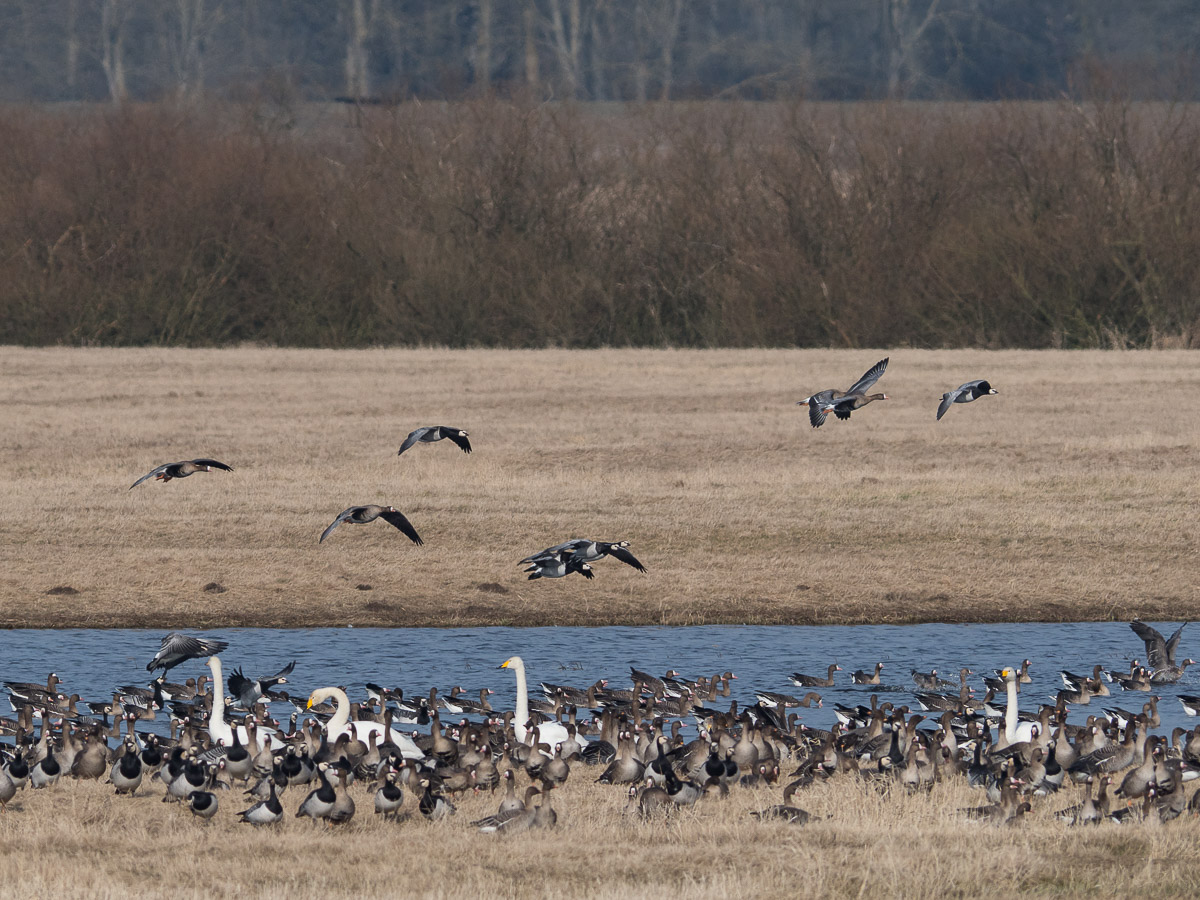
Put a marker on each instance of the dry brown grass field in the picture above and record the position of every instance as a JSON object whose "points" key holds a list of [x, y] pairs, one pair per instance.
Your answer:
{"points": [[1070, 495], [862, 842]]}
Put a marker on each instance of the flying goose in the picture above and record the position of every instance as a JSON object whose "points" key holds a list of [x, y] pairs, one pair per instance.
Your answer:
{"points": [[584, 550], [166, 472], [431, 433], [248, 691], [818, 403], [362, 515], [558, 566], [964, 393], [177, 648], [1160, 652], [843, 406]]}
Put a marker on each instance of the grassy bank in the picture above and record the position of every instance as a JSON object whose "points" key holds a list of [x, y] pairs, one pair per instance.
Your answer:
{"points": [[501, 224], [1070, 495], [78, 838]]}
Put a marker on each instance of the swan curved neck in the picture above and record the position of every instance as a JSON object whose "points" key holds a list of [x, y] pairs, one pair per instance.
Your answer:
{"points": [[341, 714]]}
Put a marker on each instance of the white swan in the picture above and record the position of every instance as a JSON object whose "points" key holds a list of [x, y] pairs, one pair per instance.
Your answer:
{"points": [[1014, 732], [339, 723], [551, 733], [218, 729]]}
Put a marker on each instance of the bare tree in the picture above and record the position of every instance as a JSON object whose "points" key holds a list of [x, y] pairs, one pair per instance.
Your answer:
{"points": [[483, 46], [114, 17], [902, 32], [187, 54], [358, 80], [566, 33], [529, 28], [72, 39]]}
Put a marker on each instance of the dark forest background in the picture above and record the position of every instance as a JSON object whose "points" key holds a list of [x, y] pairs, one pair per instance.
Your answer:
{"points": [[628, 50], [805, 173]]}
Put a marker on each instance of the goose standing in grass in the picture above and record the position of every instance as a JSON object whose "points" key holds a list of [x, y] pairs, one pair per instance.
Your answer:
{"points": [[264, 812], [819, 404], [203, 804], [46, 771], [177, 648], [389, 797], [319, 802], [431, 433], [8, 790], [362, 515], [127, 771], [964, 393], [166, 472]]}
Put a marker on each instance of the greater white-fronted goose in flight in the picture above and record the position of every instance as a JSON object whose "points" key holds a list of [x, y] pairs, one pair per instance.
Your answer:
{"points": [[177, 648], [248, 691], [819, 403], [362, 515], [964, 393], [584, 550], [843, 406], [183, 469], [431, 433], [1160, 651]]}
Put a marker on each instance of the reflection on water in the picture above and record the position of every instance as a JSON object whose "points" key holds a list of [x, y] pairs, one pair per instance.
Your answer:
{"points": [[94, 662]]}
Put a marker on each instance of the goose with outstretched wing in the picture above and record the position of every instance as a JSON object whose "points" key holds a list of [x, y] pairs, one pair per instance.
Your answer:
{"points": [[363, 515]]}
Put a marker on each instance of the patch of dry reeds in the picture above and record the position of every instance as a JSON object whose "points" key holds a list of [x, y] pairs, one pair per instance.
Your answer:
{"points": [[506, 224]]}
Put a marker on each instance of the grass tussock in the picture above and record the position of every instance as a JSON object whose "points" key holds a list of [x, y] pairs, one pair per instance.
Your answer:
{"points": [[1068, 496], [504, 224], [860, 842]]}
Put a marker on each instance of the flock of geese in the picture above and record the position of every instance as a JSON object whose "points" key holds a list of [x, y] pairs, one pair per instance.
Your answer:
{"points": [[409, 758], [577, 555]]}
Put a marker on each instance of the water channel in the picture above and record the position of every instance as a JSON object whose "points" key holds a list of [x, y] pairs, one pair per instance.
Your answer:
{"points": [[93, 662]]}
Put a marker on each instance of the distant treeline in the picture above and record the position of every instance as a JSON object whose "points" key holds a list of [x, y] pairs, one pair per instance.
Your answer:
{"points": [[522, 225], [597, 50]]}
